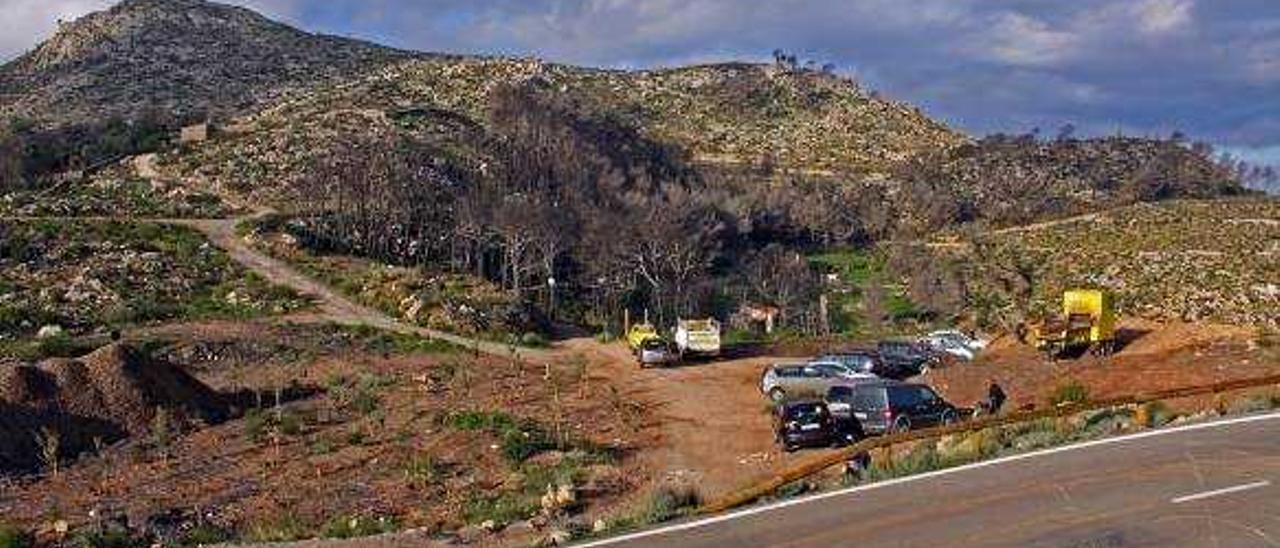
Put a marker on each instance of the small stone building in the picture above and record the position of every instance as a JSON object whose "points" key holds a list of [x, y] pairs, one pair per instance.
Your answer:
{"points": [[197, 133]]}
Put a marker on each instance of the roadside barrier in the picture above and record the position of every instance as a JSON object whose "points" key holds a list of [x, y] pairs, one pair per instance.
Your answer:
{"points": [[814, 466]]}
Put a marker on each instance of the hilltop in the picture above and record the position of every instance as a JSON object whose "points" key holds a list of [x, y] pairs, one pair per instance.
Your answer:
{"points": [[172, 59]]}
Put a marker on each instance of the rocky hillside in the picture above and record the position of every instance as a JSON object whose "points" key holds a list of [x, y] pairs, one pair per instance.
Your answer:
{"points": [[737, 115], [291, 97], [1191, 261], [173, 58]]}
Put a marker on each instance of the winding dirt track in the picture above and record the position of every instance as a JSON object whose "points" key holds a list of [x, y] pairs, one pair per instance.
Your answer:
{"points": [[333, 306]]}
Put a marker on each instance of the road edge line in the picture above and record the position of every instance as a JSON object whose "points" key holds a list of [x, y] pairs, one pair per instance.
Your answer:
{"points": [[926, 475], [1219, 492]]}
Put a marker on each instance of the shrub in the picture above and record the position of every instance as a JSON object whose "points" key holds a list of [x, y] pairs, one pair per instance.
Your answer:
{"points": [[1252, 404], [356, 527], [1108, 421], [355, 437], [322, 446], [482, 420], [1153, 414], [503, 508], [519, 444], [108, 539], [365, 401], [534, 340], [669, 502], [290, 424], [13, 537], [205, 535], [421, 471], [255, 425], [1069, 394], [281, 528]]}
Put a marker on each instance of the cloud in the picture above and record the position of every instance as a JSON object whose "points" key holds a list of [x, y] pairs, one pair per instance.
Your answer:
{"points": [[1021, 40], [1161, 17], [25, 21]]}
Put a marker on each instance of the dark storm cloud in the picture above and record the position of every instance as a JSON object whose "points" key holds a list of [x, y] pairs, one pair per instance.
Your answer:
{"points": [[1210, 68]]}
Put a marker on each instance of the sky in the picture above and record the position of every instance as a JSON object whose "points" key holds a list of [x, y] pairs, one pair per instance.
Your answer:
{"points": [[1207, 68]]}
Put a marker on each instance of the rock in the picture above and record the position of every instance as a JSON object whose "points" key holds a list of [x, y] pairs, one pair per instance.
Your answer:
{"points": [[566, 495], [50, 332], [471, 534]]}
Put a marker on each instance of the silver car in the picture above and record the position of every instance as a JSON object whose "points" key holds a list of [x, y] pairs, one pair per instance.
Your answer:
{"points": [[782, 381], [656, 353]]}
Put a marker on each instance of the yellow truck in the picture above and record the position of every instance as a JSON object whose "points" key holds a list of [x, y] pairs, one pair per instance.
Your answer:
{"points": [[1088, 321]]}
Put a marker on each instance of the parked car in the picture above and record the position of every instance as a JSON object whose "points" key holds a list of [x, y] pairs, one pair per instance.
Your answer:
{"points": [[861, 361], [889, 406], [959, 337], [841, 369], [782, 381], [901, 359], [808, 423], [656, 352], [954, 343]]}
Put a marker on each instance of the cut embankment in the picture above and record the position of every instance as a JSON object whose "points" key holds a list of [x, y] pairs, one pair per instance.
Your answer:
{"points": [[113, 393]]}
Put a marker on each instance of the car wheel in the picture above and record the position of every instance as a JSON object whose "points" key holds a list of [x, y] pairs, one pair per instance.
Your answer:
{"points": [[777, 395], [901, 424], [949, 417]]}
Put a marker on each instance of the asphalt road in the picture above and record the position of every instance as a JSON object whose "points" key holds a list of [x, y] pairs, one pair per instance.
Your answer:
{"points": [[1207, 485]]}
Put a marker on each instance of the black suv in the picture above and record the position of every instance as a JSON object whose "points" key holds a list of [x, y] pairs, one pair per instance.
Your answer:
{"points": [[902, 359], [890, 406], [808, 423]]}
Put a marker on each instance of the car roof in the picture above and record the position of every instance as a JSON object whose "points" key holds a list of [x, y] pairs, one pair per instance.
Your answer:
{"points": [[788, 365], [880, 383]]}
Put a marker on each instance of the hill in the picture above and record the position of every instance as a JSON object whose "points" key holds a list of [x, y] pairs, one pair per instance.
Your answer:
{"points": [[182, 59], [1190, 261]]}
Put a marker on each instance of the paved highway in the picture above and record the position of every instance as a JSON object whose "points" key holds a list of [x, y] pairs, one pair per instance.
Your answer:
{"points": [[1212, 484]]}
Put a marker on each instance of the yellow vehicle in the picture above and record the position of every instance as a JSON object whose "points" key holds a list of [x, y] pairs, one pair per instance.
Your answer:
{"points": [[639, 334], [1088, 321]]}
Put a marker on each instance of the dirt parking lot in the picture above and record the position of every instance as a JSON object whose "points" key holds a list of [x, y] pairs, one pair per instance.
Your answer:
{"points": [[714, 426]]}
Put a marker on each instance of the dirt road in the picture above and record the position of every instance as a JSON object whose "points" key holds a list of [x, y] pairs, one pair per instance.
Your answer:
{"points": [[333, 306]]}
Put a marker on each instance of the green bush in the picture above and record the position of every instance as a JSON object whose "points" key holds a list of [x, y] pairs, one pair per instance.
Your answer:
{"points": [[669, 502], [519, 444], [421, 471], [357, 527], [13, 537], [108, 539], [1069, 394], [205, 535], [290, 424], [255, 425], [281, 528], [503, 508], [534, 340], [482, 420]]}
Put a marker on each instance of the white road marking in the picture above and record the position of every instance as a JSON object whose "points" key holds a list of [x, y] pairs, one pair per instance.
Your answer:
{"points": [[1223, 491], [918, 477]]}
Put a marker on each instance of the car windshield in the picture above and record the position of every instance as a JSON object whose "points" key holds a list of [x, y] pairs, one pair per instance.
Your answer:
{"points": [[654, 344], [807, 412], [869, 398]]}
